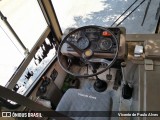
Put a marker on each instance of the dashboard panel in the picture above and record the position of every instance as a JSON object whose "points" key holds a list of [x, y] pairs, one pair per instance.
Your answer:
{"points": [[100, 41], [94, 39]]}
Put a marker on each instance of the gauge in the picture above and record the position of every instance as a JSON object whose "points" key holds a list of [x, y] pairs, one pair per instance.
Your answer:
{"points": [[82, 43], [105, 43]]}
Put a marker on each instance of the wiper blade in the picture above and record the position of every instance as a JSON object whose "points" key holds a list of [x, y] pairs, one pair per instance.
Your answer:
{"points": [[124, 12], [149, 2]]}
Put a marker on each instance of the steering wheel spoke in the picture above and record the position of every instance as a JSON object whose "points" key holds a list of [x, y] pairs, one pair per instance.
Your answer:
{"points": [[99, 60], [79, 51]]}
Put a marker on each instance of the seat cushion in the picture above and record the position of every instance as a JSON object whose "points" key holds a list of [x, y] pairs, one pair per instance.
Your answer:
{"points": [[84, 101]]}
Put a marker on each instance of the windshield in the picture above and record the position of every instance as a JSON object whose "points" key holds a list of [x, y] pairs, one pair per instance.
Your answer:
{"points": [[79, 13], [27, 20], [8, 51]]}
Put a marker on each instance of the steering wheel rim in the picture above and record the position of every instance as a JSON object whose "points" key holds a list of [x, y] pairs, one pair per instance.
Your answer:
{"points": [[93, 74]]}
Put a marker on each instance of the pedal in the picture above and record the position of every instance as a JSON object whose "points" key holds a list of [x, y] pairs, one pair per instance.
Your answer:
{"points": [[109, 77], [127, 91]]}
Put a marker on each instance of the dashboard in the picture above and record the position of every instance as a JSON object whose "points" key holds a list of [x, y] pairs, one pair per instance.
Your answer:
{"points": [[99, 41]]}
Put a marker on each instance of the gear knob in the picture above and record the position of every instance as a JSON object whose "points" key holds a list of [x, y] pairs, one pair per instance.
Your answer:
{"points": [[123, 64]]}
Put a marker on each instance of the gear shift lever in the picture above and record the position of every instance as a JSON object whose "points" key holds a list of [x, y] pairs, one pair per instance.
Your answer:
{"points": [[123, 65], [126, 90], [99, 85]]}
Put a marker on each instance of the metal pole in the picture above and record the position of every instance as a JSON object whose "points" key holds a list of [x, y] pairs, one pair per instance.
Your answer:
{"points": [[14, 33], [123, 65]]}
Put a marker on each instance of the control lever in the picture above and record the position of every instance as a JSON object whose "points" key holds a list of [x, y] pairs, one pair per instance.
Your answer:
{"points": [[69, 63], [99, 85], [109, 75], [126, 90], [123, 64]]}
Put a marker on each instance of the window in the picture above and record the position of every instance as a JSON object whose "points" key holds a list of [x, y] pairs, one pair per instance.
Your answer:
{"points": [[10, 59], [27, 20], [36, 67]]}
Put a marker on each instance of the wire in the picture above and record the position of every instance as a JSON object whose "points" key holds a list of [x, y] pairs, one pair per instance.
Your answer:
{"points": [[124, 12], [11, 40]]}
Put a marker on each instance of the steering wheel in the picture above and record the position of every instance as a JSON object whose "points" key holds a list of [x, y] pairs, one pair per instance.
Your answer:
{"points": [[87, 54]]}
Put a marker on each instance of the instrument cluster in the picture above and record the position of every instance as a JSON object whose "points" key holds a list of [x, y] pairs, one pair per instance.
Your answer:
{"points": [[95, 39]]}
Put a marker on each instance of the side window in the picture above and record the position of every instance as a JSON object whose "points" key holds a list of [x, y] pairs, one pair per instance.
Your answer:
{"points": [[11, 57], [36, 67], [27, 20]]}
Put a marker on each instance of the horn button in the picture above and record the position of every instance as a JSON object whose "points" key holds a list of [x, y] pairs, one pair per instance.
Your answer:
{"points": [[88, 53]]}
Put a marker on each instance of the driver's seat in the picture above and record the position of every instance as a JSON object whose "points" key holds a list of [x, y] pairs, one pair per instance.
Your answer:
{"points": [[83, 104]]}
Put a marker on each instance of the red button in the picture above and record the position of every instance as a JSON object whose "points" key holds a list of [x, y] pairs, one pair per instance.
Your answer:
{"points": [[106, 33]]}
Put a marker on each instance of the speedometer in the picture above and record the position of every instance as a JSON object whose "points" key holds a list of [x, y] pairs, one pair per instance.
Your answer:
{"points": [[105, 43], [82, 43]]}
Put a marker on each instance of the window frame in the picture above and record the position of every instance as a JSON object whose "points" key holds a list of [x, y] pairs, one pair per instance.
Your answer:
{"points": [[53, 27], [18, 73]]}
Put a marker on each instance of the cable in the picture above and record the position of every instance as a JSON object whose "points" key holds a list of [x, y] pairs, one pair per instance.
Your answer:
{"points": [[130, 13], [11, 40], [124, 12]]}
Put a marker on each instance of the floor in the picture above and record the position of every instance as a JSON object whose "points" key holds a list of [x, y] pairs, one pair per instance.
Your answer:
{"points": [[119, 104]]}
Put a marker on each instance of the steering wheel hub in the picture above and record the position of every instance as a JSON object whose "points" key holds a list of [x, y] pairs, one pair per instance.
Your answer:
{"points": [[88, 53]]}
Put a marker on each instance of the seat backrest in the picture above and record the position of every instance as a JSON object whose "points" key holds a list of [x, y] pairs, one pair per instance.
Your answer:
{"points": [[85, 101]]}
